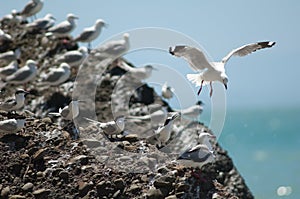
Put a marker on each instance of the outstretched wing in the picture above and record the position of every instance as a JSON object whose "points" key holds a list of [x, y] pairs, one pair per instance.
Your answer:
{"points": [[247, 49], [194, 56]]}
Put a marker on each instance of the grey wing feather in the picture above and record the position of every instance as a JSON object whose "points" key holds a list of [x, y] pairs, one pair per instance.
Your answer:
{"points": [[70, 57], [65, 112], [61, 28], [19, 75], [54, 76], [109, 128], [84, 35], [248, 49], [28, 8], [194, 56]]}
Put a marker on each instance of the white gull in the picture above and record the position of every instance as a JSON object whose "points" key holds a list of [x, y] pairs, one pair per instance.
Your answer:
{"points": [[212, 71]]}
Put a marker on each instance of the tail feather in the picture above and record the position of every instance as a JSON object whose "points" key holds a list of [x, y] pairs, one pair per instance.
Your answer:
{"points": [[196, 79]]}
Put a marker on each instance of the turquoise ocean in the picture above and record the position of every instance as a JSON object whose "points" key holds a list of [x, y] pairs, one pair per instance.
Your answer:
{"points": [[265, 147]]}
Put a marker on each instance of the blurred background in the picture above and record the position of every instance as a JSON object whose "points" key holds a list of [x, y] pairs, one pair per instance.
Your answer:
{"points": [[261, 130]]}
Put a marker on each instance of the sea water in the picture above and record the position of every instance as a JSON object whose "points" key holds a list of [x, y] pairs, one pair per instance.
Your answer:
{"points": [[265, 148]]}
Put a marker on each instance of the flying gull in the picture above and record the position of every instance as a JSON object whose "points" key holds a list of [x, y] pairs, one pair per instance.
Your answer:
{"points": [[31, 8], [24, 74], [64, 28], [56, 76], [91, 33], [167, 91], [74, 57], [212, 71], [112, 127], [14, 104]]}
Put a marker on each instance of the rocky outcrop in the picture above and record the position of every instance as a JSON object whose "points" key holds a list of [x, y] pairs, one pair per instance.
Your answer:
{"points": [[43, 161]]}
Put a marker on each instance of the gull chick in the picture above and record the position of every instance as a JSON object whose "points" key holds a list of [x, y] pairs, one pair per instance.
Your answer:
{"points": [[167, 91], [91, 33], [56, 76], [114, 127], [212, 71], [163, 133], [64, 28], [11, 125], [14, 104], [196, 156], [139, 73]]}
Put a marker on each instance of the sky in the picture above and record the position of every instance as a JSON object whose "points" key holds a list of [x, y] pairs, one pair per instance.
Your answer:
{"points": [[265, 79]]}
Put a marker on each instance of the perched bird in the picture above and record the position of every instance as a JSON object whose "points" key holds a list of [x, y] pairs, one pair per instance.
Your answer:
{"points": [[163, 133], [12, 18], [91, 33], [192, 112], [42, 23], [64, 28], [31, 8], [16, 103], [9, 69], [204, 135], [4, 37], [139, 73], [24, 74], [9, 56], [69, 112], [114, 127], [196, 156], [56, 76], [74, 57], [212, 71], [115, 48], [158, 116], [167, 91], [11, 125], [204, 138]]}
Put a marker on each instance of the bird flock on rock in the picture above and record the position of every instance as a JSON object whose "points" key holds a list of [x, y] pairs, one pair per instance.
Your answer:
{"points": [[19, 72]]}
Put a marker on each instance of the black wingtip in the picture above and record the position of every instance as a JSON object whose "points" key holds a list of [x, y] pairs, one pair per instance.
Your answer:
{"points": [[170, 51], [267, 44]]}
